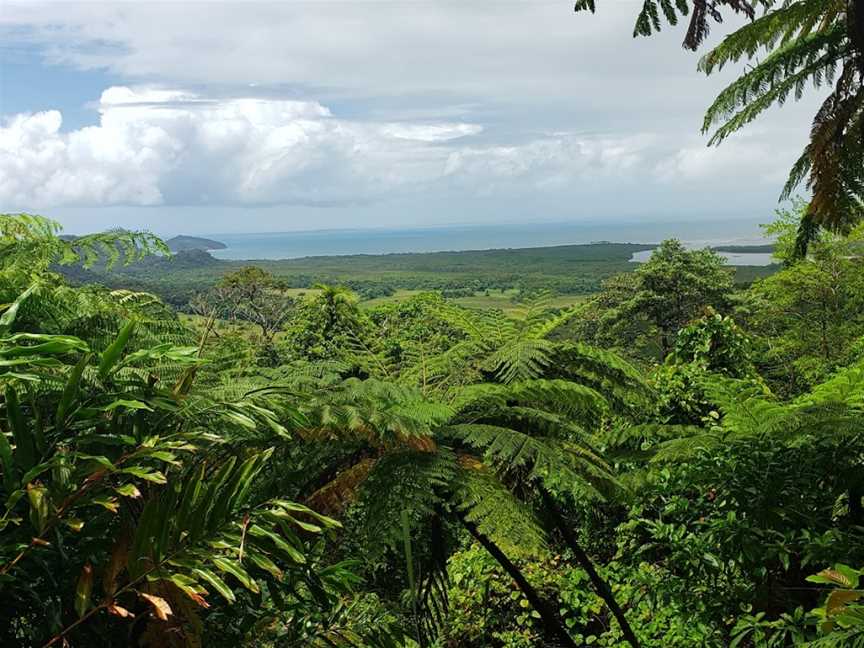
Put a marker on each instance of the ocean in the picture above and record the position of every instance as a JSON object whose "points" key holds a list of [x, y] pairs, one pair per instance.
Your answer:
{"points": [[289, 245]]}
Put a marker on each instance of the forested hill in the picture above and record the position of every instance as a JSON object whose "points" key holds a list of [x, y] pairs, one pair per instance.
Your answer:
{"points": [[564, 269], [183, 242]]}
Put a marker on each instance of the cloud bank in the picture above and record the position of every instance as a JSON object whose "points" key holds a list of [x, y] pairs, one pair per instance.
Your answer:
{"points": [[422, 110], [158, 146]]}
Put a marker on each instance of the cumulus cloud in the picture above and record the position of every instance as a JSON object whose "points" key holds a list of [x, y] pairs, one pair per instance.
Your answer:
{"points": [[158, 146], [430, 102], [155, 146]]}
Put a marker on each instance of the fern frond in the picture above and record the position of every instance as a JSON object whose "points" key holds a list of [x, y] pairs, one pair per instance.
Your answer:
{"points": [[780, 26], [495, 511], [784, 72], [408, 480], [560, 466]]}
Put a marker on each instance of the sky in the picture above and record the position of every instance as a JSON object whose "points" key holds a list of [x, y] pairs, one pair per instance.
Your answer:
{"points": [[203, 117]]}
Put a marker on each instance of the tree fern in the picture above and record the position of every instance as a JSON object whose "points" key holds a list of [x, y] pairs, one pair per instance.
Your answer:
{"points": [[807, 41]]}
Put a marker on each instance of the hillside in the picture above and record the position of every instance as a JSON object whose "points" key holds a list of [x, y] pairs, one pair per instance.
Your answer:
{"points": [[183, 243]]}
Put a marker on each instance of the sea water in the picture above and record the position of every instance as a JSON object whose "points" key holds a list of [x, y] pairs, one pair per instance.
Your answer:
{"points": [[289, 245]]}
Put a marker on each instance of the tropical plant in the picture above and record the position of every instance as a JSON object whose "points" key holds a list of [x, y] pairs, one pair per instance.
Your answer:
{"points": [[120, 477], [807, 318], [841, 618], [249, 295]]}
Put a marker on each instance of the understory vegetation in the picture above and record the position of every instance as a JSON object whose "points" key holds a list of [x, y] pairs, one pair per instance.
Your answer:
{"points": [[672, 462]]}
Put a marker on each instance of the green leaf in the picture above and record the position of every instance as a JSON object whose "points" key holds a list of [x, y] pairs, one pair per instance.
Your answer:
{"points": [[39, 508], [6, 463], [154, 476], [261, 561], [215, 582], [25, 443], [70, 391], [8, 317], [112, 354], [292, 552], [127, 404], [128, 490], [236, 570]]}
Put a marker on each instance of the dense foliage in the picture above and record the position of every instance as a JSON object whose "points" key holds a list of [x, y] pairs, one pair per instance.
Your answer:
{"points": [[287, 469]]}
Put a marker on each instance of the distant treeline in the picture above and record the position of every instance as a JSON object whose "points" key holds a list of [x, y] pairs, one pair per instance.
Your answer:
{"points": [[566, 270]]}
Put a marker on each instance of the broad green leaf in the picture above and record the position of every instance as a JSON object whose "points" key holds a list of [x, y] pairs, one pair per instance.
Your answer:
{"points": [[215, 582], [112, 354], [263, 562], [25, 442], [70, 391], [154, 476], [291, 551], [39, 506], [127, 404], [236, 570]]}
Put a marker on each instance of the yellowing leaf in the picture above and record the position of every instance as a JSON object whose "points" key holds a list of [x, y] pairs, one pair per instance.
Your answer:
{"points": [[75, 524], [83, 590], [115, 565], [128, 490], [109, 503], [160, 606], [838, 599]]}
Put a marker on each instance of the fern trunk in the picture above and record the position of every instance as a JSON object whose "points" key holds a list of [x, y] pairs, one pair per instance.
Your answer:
{"points": [[600, 585], [856, 512], [855, 25], [553, 626]]}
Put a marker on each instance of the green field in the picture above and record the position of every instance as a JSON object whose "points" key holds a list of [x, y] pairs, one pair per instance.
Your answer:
{"points": [[497, 299]]}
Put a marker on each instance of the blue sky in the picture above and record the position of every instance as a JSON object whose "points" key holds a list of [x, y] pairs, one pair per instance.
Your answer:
{"points": [[247, 116]]}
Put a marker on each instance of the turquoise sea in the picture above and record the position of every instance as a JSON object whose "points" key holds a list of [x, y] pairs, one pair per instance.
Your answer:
{"points": [[288, 245]]}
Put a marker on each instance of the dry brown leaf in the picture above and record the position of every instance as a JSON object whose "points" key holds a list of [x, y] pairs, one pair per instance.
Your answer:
{"points": [[160, 606], [118, 610]]}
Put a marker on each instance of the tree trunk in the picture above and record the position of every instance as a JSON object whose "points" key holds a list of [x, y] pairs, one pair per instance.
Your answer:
{"points": [[552, 623], [600, 585], [856, 512], [855, 27]]}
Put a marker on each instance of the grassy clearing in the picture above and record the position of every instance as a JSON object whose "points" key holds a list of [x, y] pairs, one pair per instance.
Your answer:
{"points": [[495, 299]]}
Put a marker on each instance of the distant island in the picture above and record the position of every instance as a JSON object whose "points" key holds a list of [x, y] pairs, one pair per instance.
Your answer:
{"points": [[183, 243]]}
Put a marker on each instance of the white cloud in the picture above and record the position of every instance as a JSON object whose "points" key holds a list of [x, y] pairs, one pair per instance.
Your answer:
{"points": [[431, 102], [748, 159], [156, 146], [557, 161], [511, 49], [40, 167], [164, 146]]}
